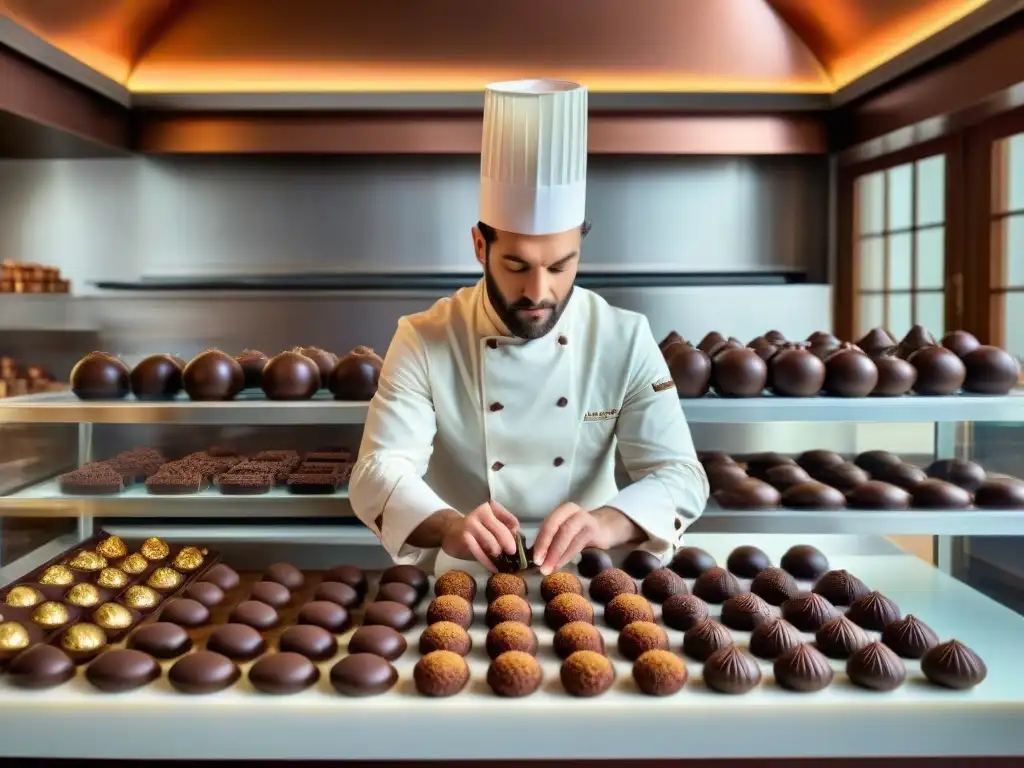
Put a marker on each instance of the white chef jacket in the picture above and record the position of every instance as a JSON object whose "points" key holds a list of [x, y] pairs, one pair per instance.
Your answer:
{"points": [[465, 412]]}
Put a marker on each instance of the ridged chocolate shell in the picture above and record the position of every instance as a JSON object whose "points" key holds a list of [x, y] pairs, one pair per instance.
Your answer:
{"points": [[803, 669], [745, 612], [953, 665], [840, 587], [691, 562], [705, 638], [774, 638], [873, 611], [809, 612], [840, 638], [910, 637], [716, 585], [774, 586], [876, 668], [730, 670]]}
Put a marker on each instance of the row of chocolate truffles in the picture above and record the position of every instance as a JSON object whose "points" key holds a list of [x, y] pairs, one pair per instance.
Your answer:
{"points": [[876, 365], [875, 480], [213, 375]]}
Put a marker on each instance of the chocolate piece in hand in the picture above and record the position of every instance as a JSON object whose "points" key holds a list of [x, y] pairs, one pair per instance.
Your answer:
{"points": [[506, 563]]}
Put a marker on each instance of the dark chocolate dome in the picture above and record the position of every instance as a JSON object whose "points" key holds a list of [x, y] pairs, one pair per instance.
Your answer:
{"points": [[690, 369], [917, 338], [290, 376], [213, 375], [990, 371], [100, 376], [325, 361], [157, 377], [895, 376], [739, 373], [850, 373], [939, 371], [960, 343], [253, 362], [356, 374], [796, 372]]}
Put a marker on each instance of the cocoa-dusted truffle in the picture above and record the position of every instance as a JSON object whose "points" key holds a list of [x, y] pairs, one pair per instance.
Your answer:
{"points": [[407, 574], [641, 636], [100, 376], [691, 562], [876, 667], [774, 586], [840, 587], [659, 672], [156, 377], [505, 584], [510, 636], [953, 665], [252, 362], [938, 494], [729, 670], [809, 612], [640, 562], [802, 561], [716, 585], [704, 638], [873, 611], [593, 562], [747, 561], [450, 608], [813, 495], [965, 474], [445, 636], [566, 608], [875, 494], [559, 583], [803, 669], [609, 583], [456, 583], [749, 494], [910, 637], [514, 674], [840, 638], [440, 673], [990, 371], [772, 638], [662, 584], [213, 375], [356, 374], [745, 612], [577, 636], [625, 609], [683, 611], [586, 673], [509, 608]]}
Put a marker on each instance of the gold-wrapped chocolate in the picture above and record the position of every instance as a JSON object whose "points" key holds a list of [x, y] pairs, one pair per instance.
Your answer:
{"points": [[23, 597], [80, 638], [112, 616], [57, 574], [141, 598], [134, 563], [51, 614], [84, 560], [188, 559], [154, 549], [112, 578], [112, 547], [13, 636], [164, 579], [83, 595]]}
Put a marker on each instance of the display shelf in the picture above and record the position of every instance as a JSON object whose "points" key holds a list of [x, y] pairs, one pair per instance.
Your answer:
{"points": [[252, 409], [695, 723], [44, 312]]}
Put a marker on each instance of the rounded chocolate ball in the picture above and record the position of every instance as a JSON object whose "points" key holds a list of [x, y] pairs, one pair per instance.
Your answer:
{"points": [[363, 674], [874, 462], [965, 474], [660, 673], [709, 458], [593, 562], [252, 362], [388, 613], [938, 494], [747, 561], [662, 584], [745, 612], [850, 373], [290, 376], [325, 361], [445, 636], [285, 574], [315, 643], [185, 612], [450, 608], [817, 459], [119, 670], [808, 612], [758, 464], [939, 371], [325, 614], [625, 609], [875, 494], [876, 341], [690, 369], [876, 668], [456, 583], [729, 670], [840, 587], [704, 638], [203, 672], [558, 583], [640, 562], [397, 592], [577, 636], [356, 374], [813, 495], [514, 674], [990, 371], [270, 592], [691, 562], [738, 373], [721, 477], [213, 375], [843, 477], [796, 372], [236, 641], [510, 636], [407, 574], [772, 638], [906, 476], [506, 584], [910, 637], [283, 673], [960, 343], [641, 636], [100, 376], [953, 665], [223, 576], [917, 338], [803, 669], [786, 476], [609, 583], [161, 639], [206, 592], [254, 614], [336, 592], [716, 585], [566, 608], [383, 641], [440, 673], [683, 612], [156, 377], [1000, 493], [349, 574], [586, 673], [508, 608], [41, 666], [896, 377], [840, 638], [710, 341], [750, 494], [775, 586]]}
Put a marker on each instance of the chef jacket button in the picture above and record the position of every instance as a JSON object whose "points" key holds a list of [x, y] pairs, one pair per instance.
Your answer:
{"points": [[559, 461], [492, 343], [562, 340], [497, 407], [562, 402], [497, 465]]}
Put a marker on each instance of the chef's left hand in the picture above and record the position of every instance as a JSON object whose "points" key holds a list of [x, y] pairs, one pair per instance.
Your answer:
{"points": [[564, 534]]}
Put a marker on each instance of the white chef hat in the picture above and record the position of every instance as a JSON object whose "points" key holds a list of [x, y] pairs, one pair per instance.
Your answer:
{"points": [[533, 164]]}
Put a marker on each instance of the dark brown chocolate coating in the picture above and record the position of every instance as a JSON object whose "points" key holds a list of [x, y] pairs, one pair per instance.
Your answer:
{"points": [[917, 338], [809, 612], [875, 494], [213, 375], [185, 612], [817, 459], [910, 637], [236, 641], [351, 575], [253, 362], [336, 592], [162, 640], [683, 612], [990, 371], [813, 495], [939, 371], [906, 476], [691, 562], [772, 638], [749, 494], [850, 373], [704, 638], [747, 561], [758, 464], [783, 477], [802, 561], [840, 587], [315, 643], [119, 670], [896, 376], [223, 576], [873, 611], [960, 343], [356, 374], [285, 574], [874, 462], [397, 592], [290, 376], [938, 494], [407, 574], [876, 668], [41, 666], [388, 613], [325, 362], [876, 341], [716, 585], [965, 474], [707, 458], [803, 669], [729, 670], [710, 341], [673, 337], [775, 586], [723, 476], [156, 377], [592, 562], [690, 369], [745, 612], [609, 583], [840, 638], [796, 373], [739, 373], [283, 673], [1000, 493], [325, 614], [206, 592], [100, 376], [822, 338], [270, 592], [254, 614], [639, 563], [953, 665], [203, 672], [843, 477], [662, 584], [363, 674]]}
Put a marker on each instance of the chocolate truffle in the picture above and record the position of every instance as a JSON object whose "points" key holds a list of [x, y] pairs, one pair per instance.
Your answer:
{"points": [[953, 665], [683, 612], [813, 495], [840, 638], [185, 612], [939, 371], [407, 574], [224, 577], [100, 376], [510, 636], [906, 476], [388, 613], [356, 375], [817, 459], [325, 361], [514, 674], [704, 638], [850, 373], [336, 592], [315, 643], [690, 369], [803, 669], [156, 377], [749, 494], [738, 373], [691, 562], [729, 670], [938, 494], [161, 639], [896, 377], [283, 673], [383, 641], [772, 638], [965, 474], [290, 376], [909, 637], [990, 371], [843, 477], [716, 585], [558, 583], [578, 636], [641, 636], [286, 574], [363, 674], [203, 672], [625, 609], [724, 476], [758, 464], [774, 586], [351, 575], [876, 667], [609, 583], [784, 477], [640, 562], [23, 597], [873, 611], [747, 561], [505, 584], [116, 671], [710, 341], [875, 494], [253, 362], [254, 614], [808, 612], [593, 562], [457, 583], [42, 666], [874, 462], [213, 375], [566, 608], [802, 561], [662, 584], [658, 672], [440, 673], [745, 612], [1000, 493], [445, 636], [917, 338], [397, 592], [796, 372], [508, 608], [325, 614], [205, 592], [586, 673], [272, 593], [876, 340], [840, 587], [236, 641], [450, 607]]}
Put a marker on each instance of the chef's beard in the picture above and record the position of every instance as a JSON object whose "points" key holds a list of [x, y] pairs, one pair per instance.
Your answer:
{"points": [[518, 326]]}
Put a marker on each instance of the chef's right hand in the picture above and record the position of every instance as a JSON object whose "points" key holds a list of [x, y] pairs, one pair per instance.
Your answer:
{"points": [[485, 532]]}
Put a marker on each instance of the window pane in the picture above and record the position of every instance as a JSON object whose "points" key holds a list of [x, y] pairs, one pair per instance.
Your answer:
{"points": [[871, 313], [931, 263], [1012, 239], [870, 203], [901, 197], [900, 271], [900, 318], [871, 258], [931, 312], [1015, 172], [931, 190], [1014, 323]]}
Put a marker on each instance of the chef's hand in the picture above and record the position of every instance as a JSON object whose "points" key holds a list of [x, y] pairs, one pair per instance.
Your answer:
{"points": [[569, 530], [485, 532]]}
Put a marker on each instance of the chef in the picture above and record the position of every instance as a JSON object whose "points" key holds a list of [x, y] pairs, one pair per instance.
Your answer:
{"points": [[505, 403]]}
